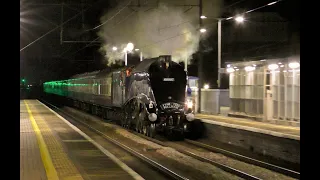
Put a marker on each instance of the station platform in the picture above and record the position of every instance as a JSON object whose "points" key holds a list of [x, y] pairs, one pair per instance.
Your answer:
{"points": [[251, 125], [52, 148]]}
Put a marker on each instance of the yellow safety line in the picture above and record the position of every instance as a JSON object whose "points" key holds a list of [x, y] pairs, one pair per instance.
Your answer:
{"points": [[45, 155]]}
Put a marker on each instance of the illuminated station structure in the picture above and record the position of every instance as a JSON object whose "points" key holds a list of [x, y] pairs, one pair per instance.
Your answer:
{"points": [[265, 89]]}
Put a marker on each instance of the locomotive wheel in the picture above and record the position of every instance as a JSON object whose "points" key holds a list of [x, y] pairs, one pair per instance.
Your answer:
{"points": [[140, 124], [152, 130], [138, 128], [124, 120], [145, 130], [140, 119], [127, 121], [148, 130]]}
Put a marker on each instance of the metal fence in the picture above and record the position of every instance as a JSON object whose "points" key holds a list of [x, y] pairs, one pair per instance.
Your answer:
{"points": [[213, 101]]}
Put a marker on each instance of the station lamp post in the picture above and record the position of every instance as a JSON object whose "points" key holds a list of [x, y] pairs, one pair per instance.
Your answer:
{"points": [[238, 19], [129, 48], [141, 57]]}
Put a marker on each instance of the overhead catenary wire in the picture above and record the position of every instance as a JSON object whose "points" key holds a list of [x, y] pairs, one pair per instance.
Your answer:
{"points": [[96, 27], [87, 45], [57, 27], [249, 11], [252, 10], [234, 4], [172, 37], [176, 25]]}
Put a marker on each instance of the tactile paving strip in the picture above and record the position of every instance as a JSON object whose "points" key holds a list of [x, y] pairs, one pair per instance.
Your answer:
{"points": [[63, 165], [31, 166]]}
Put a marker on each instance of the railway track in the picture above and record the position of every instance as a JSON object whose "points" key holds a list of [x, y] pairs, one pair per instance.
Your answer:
{"points": [[230, 154], [275, 168], [246, 159], [170, 174], [224, 167]]}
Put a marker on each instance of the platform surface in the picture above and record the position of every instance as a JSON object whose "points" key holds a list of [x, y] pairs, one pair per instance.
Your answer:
{"points": [[52, 148], [251, 125]]}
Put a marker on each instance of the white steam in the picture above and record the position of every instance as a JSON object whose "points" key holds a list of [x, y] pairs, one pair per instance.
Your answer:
{"points": [[161, 30]]}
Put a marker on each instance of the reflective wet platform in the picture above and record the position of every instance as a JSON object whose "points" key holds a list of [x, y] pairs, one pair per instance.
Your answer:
{"points": [[52, 148]]}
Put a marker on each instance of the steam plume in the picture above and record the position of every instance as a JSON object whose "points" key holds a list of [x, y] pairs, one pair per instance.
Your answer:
{"points": [[162, 30]]}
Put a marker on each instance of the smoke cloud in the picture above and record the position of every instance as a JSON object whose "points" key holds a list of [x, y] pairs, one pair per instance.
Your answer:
{"points": [[155, 29]]}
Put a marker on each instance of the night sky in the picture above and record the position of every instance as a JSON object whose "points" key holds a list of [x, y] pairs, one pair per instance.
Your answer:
{"points": [[52, 60]]}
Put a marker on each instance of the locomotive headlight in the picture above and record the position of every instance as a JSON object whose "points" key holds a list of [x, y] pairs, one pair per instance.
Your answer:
{"points": [[190, 117], [152, 117], [189, 104]]}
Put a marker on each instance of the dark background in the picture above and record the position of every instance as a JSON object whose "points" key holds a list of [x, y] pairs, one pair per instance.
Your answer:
{"points": [[273, 31]]}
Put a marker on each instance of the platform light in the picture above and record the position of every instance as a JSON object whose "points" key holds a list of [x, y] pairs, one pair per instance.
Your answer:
{"points": [[230, 70], [294, 65], [203, 17], [249, 68], [203, 30], [130, 47], [273, 66], [206, 86], [282, 65], [136, 49], [239, 19]]}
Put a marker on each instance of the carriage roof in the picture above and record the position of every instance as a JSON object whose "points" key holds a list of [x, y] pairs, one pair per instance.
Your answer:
{"points": [[141, 67], [96, 74]]}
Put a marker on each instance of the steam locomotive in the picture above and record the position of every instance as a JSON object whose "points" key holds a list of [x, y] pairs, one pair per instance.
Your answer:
{"points": [[149, 97]]}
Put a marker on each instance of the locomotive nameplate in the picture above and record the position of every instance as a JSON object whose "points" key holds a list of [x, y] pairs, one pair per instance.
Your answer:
{"points": [[168, 79], [170, 105]]}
